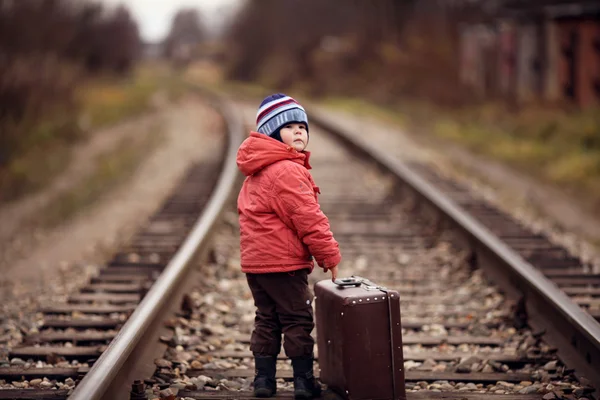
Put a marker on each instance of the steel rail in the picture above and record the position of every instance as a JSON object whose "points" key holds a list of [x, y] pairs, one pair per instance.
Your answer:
{"points": [[104, 371], [566, 324]]}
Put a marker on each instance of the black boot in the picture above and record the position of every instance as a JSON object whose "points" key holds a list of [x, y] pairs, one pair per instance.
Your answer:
{"points": [[305, 384], [264, 381]]}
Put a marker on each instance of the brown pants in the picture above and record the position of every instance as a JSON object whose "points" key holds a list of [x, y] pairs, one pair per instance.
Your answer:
{"points": [[283, 305]]}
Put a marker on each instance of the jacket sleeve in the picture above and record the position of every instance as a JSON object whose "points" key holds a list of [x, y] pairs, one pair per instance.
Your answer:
{"points": [[293, 200]]}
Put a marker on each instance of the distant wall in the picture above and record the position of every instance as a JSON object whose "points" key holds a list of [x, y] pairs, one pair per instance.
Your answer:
{"points": [[579, 66], [525, 59]]}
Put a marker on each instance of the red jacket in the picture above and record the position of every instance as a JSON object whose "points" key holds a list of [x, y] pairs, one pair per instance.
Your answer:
{"points": [[281, 223]]}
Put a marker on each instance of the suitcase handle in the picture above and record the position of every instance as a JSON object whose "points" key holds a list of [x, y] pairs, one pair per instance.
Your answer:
{"points": [[357, 281], [351, 281]]}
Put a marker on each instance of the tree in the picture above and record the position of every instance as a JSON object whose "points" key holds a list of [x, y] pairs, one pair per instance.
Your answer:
{"points": [[187, 31], [45, 45], [121, 40]]}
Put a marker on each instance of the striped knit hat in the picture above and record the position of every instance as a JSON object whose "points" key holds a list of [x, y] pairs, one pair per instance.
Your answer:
{"points": [[276, 111]]}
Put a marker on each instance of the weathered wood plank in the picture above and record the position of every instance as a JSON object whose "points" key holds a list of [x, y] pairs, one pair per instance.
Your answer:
{"points": [[112, 298], [82, 323], [33, 394], [421, 395], [419, 323], [432, 299], [425, 395], [141, 264], [86, 309], [33, 373], [574, 291], [576, 281], [48, 337], [587, 302], [121, 278], [410, 376], [428, 340], [67, 352], [453, 340], [114, 287], [131, 270], [417, 356]]}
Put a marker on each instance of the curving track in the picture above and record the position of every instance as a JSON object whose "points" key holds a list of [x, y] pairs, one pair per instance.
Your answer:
{"points": [[462, 339], [485, 303], [96, 339]]}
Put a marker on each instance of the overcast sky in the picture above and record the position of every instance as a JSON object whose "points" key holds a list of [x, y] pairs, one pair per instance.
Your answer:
{"points": [[154, 16]]}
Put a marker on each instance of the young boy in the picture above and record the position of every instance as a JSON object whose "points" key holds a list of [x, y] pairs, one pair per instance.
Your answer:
{"points": [[282, 227]]}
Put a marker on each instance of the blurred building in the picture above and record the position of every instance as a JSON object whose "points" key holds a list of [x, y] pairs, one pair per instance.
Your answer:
{"points": [[152, 51], [524, 50]]}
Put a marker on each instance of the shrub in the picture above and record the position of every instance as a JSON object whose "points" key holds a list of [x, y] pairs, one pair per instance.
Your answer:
{"points": [[37, 103]]}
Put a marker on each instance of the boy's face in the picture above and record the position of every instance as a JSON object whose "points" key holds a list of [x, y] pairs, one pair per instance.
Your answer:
{"points": [[295, 135]]}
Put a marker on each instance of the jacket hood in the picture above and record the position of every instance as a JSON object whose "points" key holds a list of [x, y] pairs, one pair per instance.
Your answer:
{"points": [[259, 151]]}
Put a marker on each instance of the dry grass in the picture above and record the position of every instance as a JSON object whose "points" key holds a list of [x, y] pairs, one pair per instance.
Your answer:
{"points": [[111, 170], [562, 148], [33, 170], [107, 101], [557, 146], [101, 102]]}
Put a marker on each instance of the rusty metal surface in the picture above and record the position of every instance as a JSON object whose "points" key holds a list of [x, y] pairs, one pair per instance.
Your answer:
{"points": [[574, 331], [108, 366]]}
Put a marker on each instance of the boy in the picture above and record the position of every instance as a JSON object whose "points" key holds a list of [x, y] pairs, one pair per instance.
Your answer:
{"points": [[282, 227]]}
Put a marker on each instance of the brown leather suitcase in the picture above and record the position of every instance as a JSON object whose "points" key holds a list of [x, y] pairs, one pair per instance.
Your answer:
{"points": [[359, 338]]}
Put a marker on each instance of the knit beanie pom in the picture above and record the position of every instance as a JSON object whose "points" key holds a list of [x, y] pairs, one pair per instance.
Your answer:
{"points": [[278, 110]]}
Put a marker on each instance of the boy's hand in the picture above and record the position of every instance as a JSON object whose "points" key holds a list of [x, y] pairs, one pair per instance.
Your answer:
{"points": [[334, 271]]}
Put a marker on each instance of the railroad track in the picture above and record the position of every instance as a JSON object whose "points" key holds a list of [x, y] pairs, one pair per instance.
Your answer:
{"points": [[99, 330], [481, 318], [462, 338], [556, 293]]}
